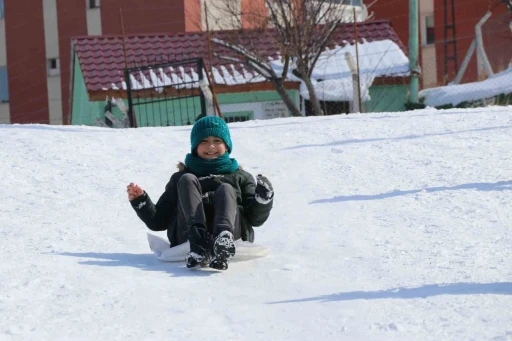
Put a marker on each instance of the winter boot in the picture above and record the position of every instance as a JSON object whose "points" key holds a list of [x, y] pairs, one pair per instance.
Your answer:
{"points": [[223, 249], [198, 239]]}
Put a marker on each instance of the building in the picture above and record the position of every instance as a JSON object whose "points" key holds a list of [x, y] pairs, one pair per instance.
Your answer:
{"points": [[35, 44], [447, 28], [164, 86]]}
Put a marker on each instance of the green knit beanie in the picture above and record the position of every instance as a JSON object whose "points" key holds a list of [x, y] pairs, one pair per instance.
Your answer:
{"points": [[210, 126]]}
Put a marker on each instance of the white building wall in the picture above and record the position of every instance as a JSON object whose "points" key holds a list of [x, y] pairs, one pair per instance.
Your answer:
{"points": [[217, 14], [93, 19], [429, 66], [261, 110], [51, 36], [426, 6], [50, 28], [5, 117], [54, 100], [428, 52], [219, 20], [3, 49]]}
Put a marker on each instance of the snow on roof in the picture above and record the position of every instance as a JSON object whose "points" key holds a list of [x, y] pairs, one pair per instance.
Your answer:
{"points": [[376, 59], [500, 83], [338, 90], [102, 58]]}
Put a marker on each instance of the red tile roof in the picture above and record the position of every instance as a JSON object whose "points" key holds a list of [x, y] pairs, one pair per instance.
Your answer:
{"points": [[102, 58]]}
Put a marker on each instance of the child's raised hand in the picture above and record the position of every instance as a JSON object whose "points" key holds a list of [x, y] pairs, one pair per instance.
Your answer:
{"points": [[264, 191], [134, 191]]}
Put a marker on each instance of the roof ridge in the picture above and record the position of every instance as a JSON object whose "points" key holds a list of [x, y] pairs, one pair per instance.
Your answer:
{"points": [[217, 32]]}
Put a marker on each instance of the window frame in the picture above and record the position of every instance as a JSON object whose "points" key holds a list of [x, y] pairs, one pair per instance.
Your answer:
{"points": [[2, 10], [53, 67], [92, 4], [356, 3], [5, 86], [429, 35]]}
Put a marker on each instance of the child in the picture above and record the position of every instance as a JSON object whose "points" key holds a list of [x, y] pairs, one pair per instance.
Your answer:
{"points": [[209, 195]]}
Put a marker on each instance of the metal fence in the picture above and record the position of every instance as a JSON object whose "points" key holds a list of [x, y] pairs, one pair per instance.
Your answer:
{"points": [[165, 94], [467, 61]]}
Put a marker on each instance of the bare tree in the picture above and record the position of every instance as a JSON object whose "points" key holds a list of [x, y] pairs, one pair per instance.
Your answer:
{"points": [[299, 30], [249, 54]]}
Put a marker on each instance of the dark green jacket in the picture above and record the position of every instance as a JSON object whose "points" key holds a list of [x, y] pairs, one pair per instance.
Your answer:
{"points": [[164, 215]]}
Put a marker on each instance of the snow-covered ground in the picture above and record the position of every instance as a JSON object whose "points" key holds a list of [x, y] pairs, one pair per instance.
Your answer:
{"points": [[385, 227]]}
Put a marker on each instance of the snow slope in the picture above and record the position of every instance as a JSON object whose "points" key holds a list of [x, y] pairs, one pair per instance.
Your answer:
{"points": [[385, 227]]}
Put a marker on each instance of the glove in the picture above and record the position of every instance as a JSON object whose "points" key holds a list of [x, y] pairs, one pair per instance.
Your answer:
{"points": [[209, 198], [264, 191]]}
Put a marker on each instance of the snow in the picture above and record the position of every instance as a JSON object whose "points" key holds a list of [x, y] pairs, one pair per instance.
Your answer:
{"points": [[135, 84], [500, 83], [392, 226], [376, 58], [339, 90]]}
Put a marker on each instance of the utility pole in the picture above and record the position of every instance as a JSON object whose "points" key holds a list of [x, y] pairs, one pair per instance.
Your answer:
{"points": [[413, 51]]}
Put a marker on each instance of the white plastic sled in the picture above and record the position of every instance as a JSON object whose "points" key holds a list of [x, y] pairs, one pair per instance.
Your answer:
{"points": [[162, 250]]}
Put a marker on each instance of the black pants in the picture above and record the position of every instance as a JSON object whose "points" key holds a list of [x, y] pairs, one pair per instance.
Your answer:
{"points": [[222, 216]]}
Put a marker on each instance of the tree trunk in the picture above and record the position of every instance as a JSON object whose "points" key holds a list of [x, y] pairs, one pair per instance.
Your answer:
{"points": [[313, 99], [290, 104]]}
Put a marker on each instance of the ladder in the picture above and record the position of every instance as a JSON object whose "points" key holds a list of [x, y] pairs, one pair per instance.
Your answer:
{"points": [[450, 40]]}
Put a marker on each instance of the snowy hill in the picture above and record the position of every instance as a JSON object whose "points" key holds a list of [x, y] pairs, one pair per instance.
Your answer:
{"points": [[385, 227]]}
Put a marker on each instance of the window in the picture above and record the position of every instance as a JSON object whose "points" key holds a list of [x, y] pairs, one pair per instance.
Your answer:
{"points": [[430, 37], [347, 2], [53, 67], [230, 119], [328, 107], [2, 13], [94, 3], [4, 90]]}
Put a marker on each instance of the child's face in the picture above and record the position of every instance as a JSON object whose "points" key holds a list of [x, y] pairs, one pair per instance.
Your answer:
{"points": [[211, 147]]}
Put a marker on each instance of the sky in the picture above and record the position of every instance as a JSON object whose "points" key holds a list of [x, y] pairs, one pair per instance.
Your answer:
{"points": [[385, 226]]}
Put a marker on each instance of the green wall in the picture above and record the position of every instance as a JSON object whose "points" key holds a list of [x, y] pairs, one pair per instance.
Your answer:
{"points": [[165, 113], [83, 111], [252, 97], [185, 111], [386, 98]]}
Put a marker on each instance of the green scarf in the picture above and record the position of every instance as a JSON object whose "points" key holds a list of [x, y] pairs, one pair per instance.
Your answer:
{"points": [[203, 167]]}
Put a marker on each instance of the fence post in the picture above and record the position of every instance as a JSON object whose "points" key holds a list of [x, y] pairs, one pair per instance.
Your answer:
{"points": [[355, 83], [413, 51], [200, 69], [481, 56], [129, 95], [358, 73]]}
